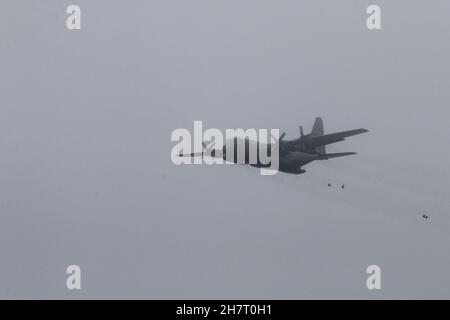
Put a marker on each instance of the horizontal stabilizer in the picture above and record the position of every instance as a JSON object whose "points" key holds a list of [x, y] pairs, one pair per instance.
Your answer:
{"points": [[335, 155]]}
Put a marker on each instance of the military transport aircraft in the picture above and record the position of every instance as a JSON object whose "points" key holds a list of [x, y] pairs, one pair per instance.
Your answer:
{"points": [[293, 154]]}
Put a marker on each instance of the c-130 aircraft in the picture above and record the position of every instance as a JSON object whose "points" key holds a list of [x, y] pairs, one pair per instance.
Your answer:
{"points": [[293, 154]]}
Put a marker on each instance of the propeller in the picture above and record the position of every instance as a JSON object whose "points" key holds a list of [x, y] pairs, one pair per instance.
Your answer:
{"points": [[302, 137], [281, 146], [207, 150], [208, 147]]}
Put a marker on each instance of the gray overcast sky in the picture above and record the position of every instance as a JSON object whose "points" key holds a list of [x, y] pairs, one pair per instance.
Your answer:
{"points": [[85, 170]]}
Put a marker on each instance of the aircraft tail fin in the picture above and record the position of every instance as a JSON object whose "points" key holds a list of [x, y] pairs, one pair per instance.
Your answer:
{"points": [[318, 131]]}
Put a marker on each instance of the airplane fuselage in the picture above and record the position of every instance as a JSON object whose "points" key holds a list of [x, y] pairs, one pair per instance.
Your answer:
{"points": [[292, 154], [289, 162]]}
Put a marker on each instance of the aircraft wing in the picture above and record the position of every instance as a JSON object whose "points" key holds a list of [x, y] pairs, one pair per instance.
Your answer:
{"points": [[197, 154], [333, 137]]}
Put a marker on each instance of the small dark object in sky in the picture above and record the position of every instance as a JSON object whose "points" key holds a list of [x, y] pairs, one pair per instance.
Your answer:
{"points": [[342, 187], [329, 184], [424, 216]]}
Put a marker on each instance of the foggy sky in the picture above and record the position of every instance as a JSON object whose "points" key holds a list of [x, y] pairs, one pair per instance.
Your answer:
{"points": [[85, 170]]}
